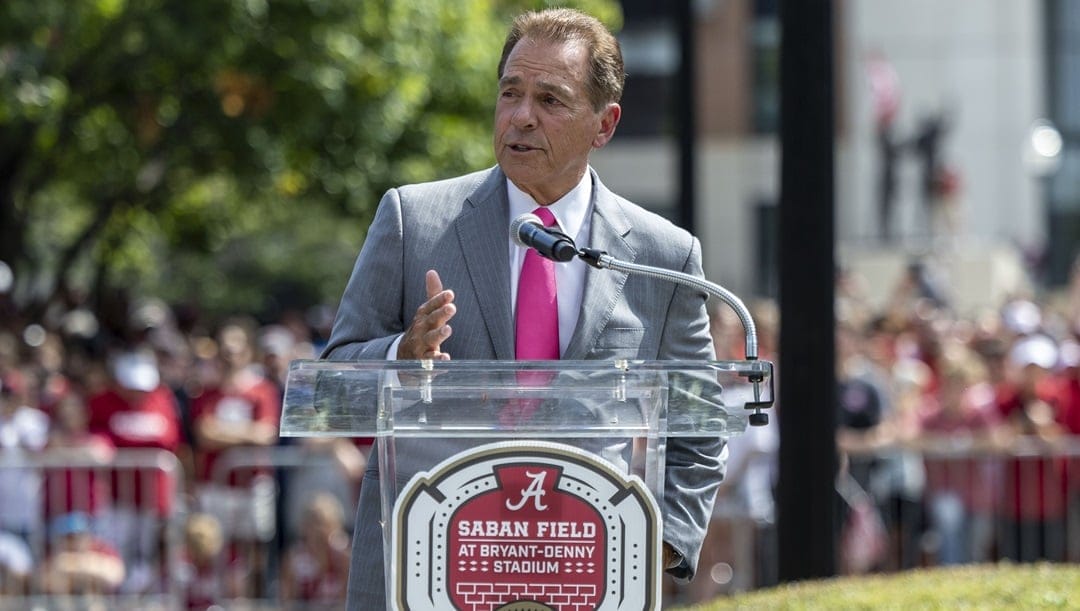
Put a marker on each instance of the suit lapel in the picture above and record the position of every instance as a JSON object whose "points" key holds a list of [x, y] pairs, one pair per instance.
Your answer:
{"points": [[482, 233], [603, 287]]}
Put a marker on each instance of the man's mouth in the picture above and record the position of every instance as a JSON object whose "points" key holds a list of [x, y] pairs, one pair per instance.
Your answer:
{"points": [[521, 148]]}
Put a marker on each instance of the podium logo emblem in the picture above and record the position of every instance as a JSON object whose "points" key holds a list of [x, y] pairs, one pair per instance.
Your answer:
{"points": [[536, 490], [525, 526]]}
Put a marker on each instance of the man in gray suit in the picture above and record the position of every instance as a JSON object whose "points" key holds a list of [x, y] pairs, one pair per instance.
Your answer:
{"points": [[436, 274]]}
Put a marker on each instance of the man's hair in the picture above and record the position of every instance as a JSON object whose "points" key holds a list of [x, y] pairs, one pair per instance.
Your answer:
{"points": [[606, 76]]}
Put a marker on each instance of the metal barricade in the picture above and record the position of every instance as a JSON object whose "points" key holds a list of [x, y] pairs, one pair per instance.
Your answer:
{"points": [[277, 485], [107, 534], [928, 503], [973, 504], [967, 502]]}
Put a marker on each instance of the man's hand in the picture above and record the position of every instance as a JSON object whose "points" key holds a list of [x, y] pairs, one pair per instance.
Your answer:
{"points": [[429, 328]]}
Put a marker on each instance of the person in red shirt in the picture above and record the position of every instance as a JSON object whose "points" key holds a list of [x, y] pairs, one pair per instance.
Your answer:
{"points": [[1034, 486], [81, 484], [137, 412], [1069, 401], [316, 566], [961, 492], [234, 417], [199, 572]]}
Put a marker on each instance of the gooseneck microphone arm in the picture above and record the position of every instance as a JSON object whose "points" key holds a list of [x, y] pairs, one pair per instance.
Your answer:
{"points": [[601, 260], [529, 231]]}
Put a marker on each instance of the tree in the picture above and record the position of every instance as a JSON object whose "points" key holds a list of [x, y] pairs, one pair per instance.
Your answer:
{"points": [[228, 151]]}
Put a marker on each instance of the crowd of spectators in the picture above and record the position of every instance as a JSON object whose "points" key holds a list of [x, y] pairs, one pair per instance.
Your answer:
{"points": [[959, 427], [75, 519], [958, 434], [963, 426]]}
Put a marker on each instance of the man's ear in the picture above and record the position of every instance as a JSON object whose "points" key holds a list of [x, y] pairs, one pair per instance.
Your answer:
{"points": [[609, 120]]}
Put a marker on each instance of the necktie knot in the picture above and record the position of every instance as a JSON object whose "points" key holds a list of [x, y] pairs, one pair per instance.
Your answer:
{"points": [[545, 216]]}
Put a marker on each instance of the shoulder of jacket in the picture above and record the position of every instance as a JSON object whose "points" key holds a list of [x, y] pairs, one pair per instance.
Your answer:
{"points": [[464, 184]]}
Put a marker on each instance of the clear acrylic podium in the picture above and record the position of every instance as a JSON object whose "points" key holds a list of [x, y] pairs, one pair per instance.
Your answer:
{"points": [[429, 413]]}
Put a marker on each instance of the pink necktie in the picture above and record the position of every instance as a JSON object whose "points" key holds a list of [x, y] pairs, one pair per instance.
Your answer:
{"points": [[537, 332]]}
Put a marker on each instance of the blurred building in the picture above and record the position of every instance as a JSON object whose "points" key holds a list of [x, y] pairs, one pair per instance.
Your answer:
{"points": [[959, 85]]}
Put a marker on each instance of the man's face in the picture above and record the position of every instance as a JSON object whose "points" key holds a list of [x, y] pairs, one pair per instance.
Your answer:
{"points": [[545, 124]]}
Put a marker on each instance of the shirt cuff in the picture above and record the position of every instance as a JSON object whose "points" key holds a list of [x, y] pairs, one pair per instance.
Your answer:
{"points": [[391, 352]]}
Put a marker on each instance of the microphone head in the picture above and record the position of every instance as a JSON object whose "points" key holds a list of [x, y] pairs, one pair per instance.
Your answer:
{"points": [[521, 221]]}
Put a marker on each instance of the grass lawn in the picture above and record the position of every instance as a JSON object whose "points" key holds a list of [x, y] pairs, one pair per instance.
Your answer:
{"points": [[1000, 586]]}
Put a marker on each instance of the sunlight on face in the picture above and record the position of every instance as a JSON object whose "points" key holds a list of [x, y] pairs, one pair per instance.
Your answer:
{"points": [[545, 124]]}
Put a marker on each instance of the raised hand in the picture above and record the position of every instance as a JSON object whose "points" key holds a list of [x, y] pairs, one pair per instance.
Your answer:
{"points": [[429, 329]]}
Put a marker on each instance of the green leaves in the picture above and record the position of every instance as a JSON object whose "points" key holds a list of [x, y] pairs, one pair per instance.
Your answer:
{"points": [[247, 141]]}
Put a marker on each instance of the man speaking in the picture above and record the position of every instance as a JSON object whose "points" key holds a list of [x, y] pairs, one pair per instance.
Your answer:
{"points": [[439, 276]]}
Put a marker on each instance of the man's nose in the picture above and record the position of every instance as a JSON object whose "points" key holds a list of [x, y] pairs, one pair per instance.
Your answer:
{"points": [[524, 117]]}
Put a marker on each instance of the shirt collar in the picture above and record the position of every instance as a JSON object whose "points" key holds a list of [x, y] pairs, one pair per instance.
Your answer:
{"points": [[570, 210]]}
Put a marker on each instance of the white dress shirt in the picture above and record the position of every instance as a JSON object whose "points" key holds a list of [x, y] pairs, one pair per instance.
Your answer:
{"points": [[572, 214]]}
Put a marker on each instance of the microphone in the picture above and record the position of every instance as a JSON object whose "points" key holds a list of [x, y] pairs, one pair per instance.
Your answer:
{"points": [[528, 230]]}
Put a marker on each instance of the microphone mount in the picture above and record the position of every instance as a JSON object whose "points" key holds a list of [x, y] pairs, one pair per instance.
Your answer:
{"points": [[528, 230]]}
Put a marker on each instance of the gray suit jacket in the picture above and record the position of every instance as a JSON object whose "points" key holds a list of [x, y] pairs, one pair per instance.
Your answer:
{"points": [[459, 227]]}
